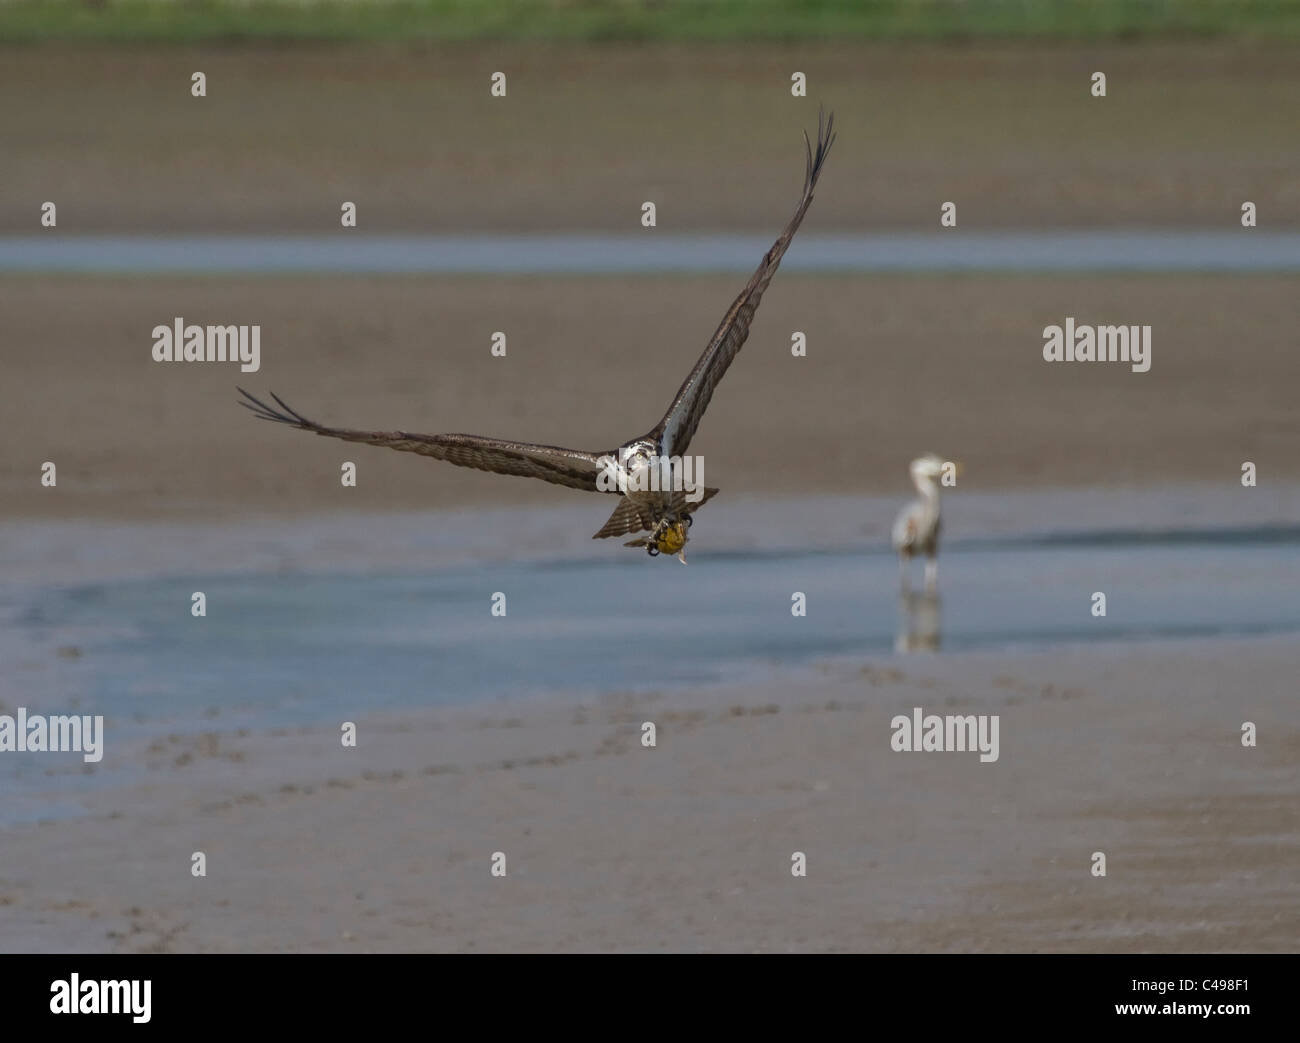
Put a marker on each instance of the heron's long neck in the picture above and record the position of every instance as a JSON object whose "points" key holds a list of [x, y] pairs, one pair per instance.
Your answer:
{"points": [[929, 491]]}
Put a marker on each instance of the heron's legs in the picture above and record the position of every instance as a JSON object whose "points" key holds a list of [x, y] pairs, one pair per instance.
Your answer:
{"points": [[904, 581], [931, 574]]}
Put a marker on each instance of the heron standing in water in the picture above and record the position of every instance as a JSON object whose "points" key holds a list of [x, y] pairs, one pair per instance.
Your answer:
{"points": [[916, 530]]}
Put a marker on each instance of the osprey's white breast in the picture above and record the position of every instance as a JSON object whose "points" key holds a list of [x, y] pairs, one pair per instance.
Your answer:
{"points": [[643, 475]]}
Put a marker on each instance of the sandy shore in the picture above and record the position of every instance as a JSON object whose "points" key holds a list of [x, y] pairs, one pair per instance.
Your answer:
{"points": [[1132, 751], [1129, 749], [586, 133], [895, 366], [44, 552]]}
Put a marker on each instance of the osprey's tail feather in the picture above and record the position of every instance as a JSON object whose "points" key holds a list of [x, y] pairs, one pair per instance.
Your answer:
{"points": [[630, 516]]}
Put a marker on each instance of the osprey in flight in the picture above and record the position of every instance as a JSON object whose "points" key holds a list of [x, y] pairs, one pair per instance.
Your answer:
{"points": [[651, 497]]}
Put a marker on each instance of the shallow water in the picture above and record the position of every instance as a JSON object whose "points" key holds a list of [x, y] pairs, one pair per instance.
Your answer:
{"points": [[1240, 250], [300, 648]]}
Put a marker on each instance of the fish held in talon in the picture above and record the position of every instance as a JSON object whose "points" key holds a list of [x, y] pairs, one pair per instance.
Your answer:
{"points": [[668, 539], [658, 485]]}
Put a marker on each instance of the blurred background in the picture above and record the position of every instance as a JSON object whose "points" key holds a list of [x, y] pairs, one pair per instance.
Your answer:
{"points": [[388, 106], [522, 214]]}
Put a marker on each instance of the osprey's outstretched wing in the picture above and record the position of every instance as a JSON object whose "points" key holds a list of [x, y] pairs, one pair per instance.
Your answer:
{"points": [[683, 416], [570, 467]]}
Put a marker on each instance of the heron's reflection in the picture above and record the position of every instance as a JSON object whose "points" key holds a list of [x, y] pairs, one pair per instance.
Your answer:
{"points": [[918, 621]]}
